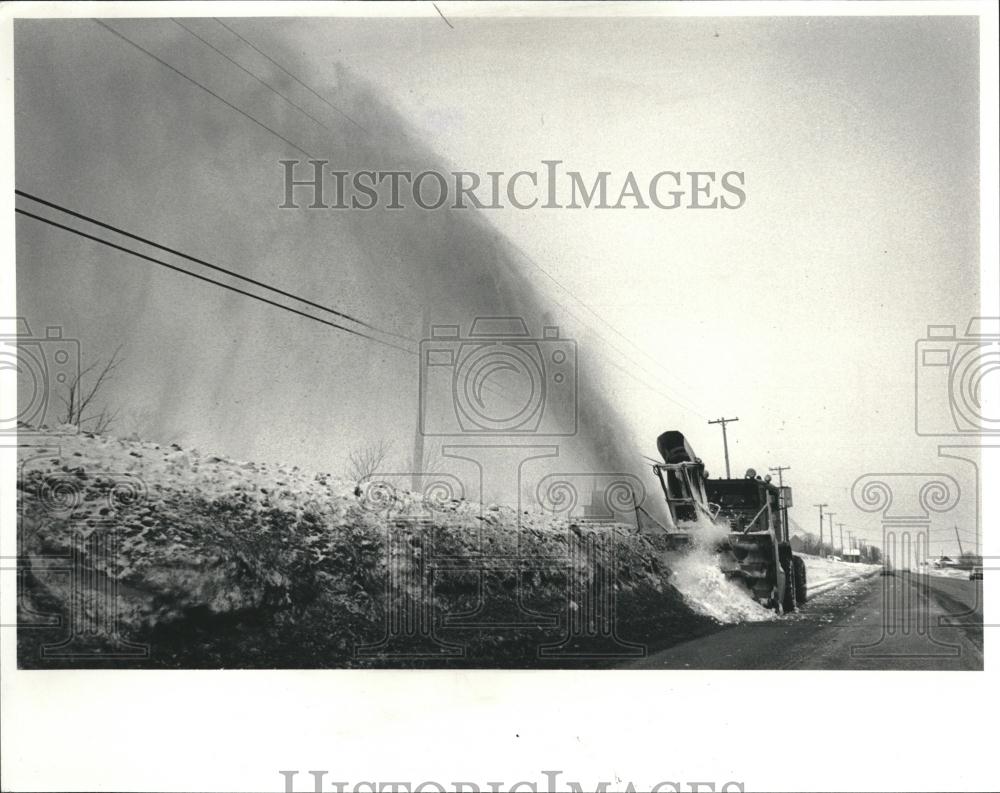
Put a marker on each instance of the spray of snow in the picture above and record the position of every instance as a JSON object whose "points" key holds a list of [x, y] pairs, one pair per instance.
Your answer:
{"points": [[698, 575]]}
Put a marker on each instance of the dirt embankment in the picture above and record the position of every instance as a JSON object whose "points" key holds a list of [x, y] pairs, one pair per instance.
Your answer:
{"points": [[141, 555]]}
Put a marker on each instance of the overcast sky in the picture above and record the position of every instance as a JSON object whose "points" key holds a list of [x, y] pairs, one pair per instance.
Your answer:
{"points": [[798, 312]]}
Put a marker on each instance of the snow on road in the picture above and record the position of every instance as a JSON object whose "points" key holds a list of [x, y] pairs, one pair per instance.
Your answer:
{"points": [[945, 572], [698, 576], [823, 574]]}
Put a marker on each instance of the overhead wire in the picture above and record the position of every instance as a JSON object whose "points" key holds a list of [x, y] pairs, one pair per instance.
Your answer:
{"points": [[231, 288], [197, 260], [302, 150], [527, 258]]}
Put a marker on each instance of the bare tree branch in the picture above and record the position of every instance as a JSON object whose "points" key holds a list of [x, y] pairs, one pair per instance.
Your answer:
{"points": [[77, 399], [364, 462], [113, 363]]}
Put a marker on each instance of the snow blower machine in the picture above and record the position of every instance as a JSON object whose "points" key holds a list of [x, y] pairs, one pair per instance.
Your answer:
{"points": [[755, 548]]}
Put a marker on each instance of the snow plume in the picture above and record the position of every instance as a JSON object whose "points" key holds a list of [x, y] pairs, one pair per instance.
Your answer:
{"points": [[209, 368], [451, 267], [697, 574]]}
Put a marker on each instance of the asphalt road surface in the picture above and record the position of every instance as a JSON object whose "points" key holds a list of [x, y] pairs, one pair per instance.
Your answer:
{"points": [[905, 621]]}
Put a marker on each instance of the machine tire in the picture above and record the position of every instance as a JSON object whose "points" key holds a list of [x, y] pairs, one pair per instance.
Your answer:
{"points": [[776, 602], [789, 599], [801, 590]]}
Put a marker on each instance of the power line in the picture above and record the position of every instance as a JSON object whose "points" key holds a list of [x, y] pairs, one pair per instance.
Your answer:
{"points": [[233, 274], [311, 156], [208, 280], [925, 529], [443, 16], [600, 319], [298, 148], [240, 66], [639, 380], [209, 91], [296, 79], [202, 262], [610, 359]]}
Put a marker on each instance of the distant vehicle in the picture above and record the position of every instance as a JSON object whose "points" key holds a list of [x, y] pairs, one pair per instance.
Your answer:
{"points": [[976, 574], [887, 570]]}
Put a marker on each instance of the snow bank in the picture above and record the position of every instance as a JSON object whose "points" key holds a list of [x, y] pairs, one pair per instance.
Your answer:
{"points": [[221, 562], [944, 572], [823, 574]]}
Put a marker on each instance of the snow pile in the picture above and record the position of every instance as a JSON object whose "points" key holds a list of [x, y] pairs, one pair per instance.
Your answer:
{"points": [[222, 563], [944, 572], [697, 573], [823, 573]]}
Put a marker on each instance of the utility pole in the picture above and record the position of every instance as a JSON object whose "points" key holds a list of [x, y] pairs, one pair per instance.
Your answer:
{"points": [[779, 469], [725, 441], [781, 488], [830, 516], [841, 526], [959, 538], [820, 526]]}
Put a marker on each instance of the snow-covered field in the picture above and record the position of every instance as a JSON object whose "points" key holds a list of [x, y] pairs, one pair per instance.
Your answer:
{"points": [[823, 574]]}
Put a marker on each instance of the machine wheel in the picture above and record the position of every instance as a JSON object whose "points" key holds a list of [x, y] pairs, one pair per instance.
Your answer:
{"points": [[790, 589], [801, 591]]}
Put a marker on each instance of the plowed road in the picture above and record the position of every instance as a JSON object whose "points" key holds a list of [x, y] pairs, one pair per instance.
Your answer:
{"points": [[894, 622]]}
